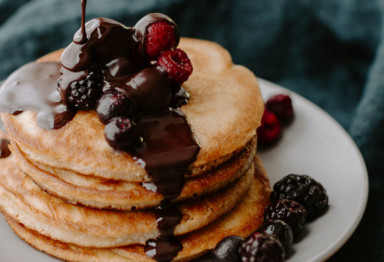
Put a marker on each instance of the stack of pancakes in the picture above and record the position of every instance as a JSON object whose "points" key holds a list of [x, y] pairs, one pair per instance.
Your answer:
{"points": [[68, 193]]}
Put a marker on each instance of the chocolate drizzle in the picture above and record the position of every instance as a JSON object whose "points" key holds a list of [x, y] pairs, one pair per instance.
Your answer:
{"points": [[83, 33], [168, 145], [4, 149], [34, 87]]}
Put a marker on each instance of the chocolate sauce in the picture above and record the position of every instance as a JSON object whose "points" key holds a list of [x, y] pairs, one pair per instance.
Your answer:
{"points": [[168, 145], [150, 90], [4, 149], [167, 150], [106, 41], [83, 33], [34, 87]]}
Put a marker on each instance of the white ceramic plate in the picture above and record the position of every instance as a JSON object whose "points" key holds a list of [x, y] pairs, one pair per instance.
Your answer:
{"points": [[313, 144]]}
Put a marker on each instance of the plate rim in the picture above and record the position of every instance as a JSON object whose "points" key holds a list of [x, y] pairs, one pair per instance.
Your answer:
{"points": [[348, 231]]}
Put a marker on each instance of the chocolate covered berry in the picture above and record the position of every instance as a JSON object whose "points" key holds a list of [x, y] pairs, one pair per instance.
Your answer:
{"points": [[121, 133], [113, 103]]}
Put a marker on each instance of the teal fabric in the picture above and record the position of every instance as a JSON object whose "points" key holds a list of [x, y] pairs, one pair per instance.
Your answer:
{"points": [[331, 52]]}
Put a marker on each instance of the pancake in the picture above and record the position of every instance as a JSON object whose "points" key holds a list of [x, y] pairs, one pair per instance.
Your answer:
{"points": [[244, 219], [224, 111], [68, 193], [101, 193], [26, 203]]}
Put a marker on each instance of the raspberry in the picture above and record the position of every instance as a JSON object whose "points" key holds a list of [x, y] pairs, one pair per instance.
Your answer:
{"points": [[113, 103], [291, 212], [262, 247], [160, 36], [281, 230], [269, 132], [121, 133], [176, 64], [82, 94], [303, 189], [281, 105], [228, 249]]}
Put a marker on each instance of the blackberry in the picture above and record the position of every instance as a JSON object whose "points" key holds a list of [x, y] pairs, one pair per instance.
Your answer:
{"points": [[228, 250], [262, 247], [280, 229], [121, 133], [82, 94], [303, 189], [291, 212], [114, 103]]}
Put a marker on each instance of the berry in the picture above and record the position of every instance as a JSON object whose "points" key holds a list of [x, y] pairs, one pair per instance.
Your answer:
{"points": [[113, 103], [280, 229], [149, 89], [303, 189], [262, 247], [228, 249], [82, 94], [176, 64], [281, 105], [121, 133], [160, 36], [269, 131], [291, 212]]}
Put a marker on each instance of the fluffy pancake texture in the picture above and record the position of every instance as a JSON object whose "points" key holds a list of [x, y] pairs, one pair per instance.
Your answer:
{"points": [[24, 201], [242, 220], [102, 193], [224, 111]]}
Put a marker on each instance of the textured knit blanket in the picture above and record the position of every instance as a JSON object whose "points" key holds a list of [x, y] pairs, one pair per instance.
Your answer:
{"points": [[331, 52]]}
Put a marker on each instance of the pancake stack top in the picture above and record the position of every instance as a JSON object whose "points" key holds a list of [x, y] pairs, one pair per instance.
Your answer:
{"points": [[115, 157]]}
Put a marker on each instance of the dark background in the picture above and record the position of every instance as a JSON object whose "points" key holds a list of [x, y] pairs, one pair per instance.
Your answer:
{"points": [[331, 52]]}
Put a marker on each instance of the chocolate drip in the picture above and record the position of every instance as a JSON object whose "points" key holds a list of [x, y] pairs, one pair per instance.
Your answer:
{"points": [[84, 34], [107, 40], [168, 149], [34, 87], [168, 145], [4, 149]]}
